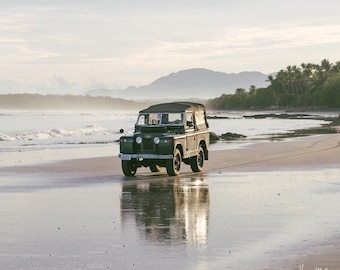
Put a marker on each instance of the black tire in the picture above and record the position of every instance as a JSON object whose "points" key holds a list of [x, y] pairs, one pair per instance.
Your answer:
{"points": [[197, 161], [155, 168], [173, 166], [129, 167]]}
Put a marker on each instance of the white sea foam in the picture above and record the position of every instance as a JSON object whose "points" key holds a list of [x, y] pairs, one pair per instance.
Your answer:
{"points": [[55, 133]]}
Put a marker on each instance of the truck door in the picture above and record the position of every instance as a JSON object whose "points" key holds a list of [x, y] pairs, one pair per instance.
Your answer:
{"points": [[191, 137]]}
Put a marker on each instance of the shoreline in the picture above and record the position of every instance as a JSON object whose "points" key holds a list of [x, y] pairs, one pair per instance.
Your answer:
{"points": [[297, 153]]}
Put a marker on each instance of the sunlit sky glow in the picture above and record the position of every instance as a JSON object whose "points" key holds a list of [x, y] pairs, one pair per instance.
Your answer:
{"points": [[108, 43]]}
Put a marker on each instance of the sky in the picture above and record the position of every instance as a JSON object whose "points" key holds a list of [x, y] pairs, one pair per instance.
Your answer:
{"points": [[69, 46]]}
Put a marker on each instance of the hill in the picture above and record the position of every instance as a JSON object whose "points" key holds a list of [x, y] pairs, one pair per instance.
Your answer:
{"points": [[192, 83], [65, 102]]}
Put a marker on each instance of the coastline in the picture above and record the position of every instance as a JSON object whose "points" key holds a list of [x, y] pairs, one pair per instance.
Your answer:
{"points": [[299, 153], [317, 153]]}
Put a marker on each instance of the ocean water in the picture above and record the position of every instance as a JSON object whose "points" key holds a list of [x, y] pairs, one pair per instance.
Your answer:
{"points": [[26, 131]]}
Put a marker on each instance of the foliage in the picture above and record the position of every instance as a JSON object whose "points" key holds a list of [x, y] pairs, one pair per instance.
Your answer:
{"points": [[307, 85]]}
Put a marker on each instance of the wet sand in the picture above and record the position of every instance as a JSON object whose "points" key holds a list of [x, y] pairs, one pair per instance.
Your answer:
{"points": [[269, 205]]}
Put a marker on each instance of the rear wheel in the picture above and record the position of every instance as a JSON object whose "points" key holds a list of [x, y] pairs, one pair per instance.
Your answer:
{"points": [[129, 167], [173, 166], [197, 161]]}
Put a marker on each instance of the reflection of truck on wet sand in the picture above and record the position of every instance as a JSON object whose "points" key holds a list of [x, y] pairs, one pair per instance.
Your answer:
{"points": [[166, 135], [176, 211]]}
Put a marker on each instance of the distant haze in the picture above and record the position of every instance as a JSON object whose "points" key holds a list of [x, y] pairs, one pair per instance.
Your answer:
{"points": [[192, 83]]}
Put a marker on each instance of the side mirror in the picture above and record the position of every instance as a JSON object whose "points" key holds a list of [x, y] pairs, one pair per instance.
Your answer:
{"points": [[121, 130]]}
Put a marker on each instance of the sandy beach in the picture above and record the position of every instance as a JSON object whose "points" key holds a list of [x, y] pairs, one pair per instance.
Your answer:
{"points": [[277, 186]]}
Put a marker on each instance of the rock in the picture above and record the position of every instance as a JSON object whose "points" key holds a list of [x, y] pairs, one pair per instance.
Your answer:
{"points": [[232, 136], [214, 137]]}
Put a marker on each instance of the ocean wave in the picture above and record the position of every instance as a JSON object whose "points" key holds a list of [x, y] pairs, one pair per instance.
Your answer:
{"points": [[56, 133]]}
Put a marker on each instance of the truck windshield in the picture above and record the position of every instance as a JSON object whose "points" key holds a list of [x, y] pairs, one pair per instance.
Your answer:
{"points": [[160, 119]]}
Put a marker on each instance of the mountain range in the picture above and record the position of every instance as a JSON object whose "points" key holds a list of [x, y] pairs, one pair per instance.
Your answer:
{"points": [[198, 83]]}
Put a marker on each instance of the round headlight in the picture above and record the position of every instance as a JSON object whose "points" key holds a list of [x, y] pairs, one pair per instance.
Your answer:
{"points": [[139, 140], [156, 140]]}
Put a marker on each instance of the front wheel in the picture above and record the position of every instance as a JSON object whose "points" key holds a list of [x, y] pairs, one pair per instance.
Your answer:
{"points": [[129, 167], [173, 166], [197, 161]]}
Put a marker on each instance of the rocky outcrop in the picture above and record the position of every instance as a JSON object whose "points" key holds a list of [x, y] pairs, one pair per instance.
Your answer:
{"points": [[232, 136], [226, 136]]}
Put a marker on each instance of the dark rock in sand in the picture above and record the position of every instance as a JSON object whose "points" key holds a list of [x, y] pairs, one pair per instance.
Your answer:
{"points": [[217, 117], [232, 136], [214, 137]]}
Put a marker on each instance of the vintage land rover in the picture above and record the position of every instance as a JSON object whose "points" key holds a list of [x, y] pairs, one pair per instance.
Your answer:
{"points": [[164, 136]]}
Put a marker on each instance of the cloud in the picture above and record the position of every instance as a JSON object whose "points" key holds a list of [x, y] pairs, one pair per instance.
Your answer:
{"points": [[138, 41], [290, 36], [242, 41]]}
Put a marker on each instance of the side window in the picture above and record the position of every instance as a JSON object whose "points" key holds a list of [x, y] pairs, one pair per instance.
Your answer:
{"points": [[189, 120]]}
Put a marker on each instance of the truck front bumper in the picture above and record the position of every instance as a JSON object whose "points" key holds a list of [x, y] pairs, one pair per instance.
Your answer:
{"points": [[143, 156]]}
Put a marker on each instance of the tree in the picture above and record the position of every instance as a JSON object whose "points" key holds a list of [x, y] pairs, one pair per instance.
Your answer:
{"points": [[329, 93], [296, 86]]}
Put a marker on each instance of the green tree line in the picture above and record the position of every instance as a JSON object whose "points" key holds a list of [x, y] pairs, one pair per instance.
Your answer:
{"points": [[305, 86]]}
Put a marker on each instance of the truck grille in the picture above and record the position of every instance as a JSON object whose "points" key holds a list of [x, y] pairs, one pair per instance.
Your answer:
{"points": [[148, 144]]}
